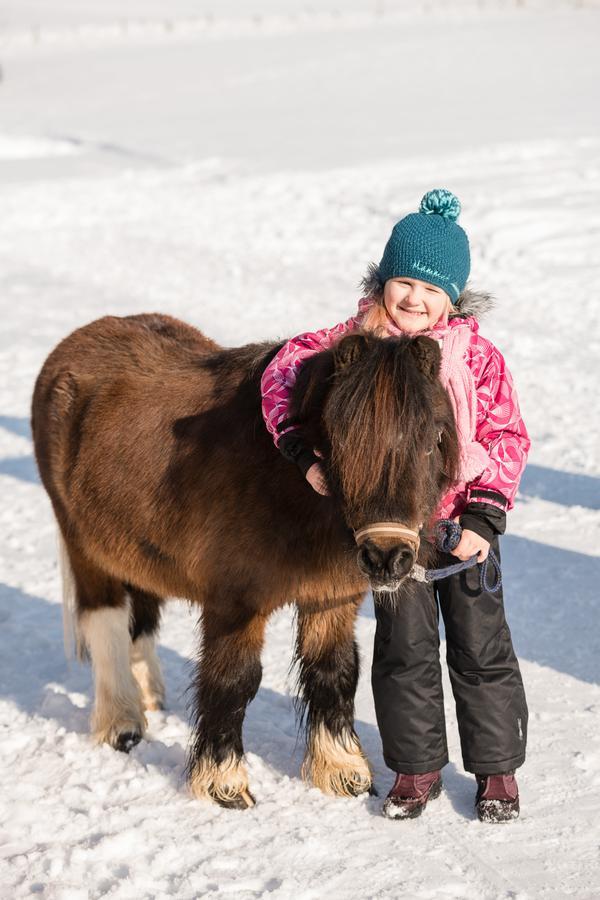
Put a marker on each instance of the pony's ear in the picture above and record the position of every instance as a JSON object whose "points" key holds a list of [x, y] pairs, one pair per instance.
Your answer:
{"points": [[427, 356], [349, 349]]}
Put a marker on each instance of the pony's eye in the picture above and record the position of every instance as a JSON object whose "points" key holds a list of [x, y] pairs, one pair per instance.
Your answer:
{"points": [[439, 441]]}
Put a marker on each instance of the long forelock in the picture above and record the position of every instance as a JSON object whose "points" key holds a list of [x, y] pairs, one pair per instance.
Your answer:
{"points": [[382, 395]]}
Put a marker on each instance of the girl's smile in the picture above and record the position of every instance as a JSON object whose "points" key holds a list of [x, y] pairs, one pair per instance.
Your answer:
{"points": [[415, 305]]}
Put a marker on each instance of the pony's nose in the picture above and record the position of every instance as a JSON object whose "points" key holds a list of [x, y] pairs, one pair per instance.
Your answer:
{"points": [[385, 564]]}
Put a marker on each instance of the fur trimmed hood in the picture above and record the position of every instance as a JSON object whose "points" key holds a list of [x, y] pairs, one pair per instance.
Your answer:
{"points": [[469, 303]]}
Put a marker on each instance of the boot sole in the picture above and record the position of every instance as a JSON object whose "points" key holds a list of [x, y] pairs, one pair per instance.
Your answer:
{"points": [[497, 812], [414, 813]]}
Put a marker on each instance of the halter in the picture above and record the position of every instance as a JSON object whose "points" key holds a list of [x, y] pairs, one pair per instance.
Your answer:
{"points": [[446, 536], [388, 529]]}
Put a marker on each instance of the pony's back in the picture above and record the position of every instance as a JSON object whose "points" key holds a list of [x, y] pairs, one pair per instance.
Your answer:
{"points": [[142, 429]]}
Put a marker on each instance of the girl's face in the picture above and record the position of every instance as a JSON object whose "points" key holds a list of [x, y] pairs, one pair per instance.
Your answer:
{"points": [[415, 305]]}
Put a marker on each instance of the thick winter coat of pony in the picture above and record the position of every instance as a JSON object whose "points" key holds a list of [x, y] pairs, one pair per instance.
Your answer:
{"points": [[165, 483]]}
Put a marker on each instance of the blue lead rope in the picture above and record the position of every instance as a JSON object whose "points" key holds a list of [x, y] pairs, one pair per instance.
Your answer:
{"points": [[447, 536]]}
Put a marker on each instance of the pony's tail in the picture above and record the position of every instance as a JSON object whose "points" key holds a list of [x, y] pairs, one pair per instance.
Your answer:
{"points": [[73, 641]]}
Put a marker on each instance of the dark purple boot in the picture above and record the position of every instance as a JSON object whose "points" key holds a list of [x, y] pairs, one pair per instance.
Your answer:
{"points": [[410, 794], [497, 798]]}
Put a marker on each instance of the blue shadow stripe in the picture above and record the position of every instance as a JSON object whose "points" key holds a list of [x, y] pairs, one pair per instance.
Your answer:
{"points": [[21, 467], [565, 488], [551, 600], [17, 424]]}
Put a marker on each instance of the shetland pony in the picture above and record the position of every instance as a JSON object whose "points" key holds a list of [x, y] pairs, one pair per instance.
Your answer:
{"points": [[150, 442]]}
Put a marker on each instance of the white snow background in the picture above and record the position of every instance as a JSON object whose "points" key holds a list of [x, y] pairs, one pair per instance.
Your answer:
{"points": [[237, 165]]}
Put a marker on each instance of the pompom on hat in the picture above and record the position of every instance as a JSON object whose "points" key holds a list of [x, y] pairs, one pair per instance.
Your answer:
{"points": [[430, 245]]}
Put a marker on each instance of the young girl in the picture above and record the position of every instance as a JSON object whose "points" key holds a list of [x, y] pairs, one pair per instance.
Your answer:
{"points": [[418, 288]]}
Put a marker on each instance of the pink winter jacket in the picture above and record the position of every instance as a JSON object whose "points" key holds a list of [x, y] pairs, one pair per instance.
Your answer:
{"points": [[500, 442]]}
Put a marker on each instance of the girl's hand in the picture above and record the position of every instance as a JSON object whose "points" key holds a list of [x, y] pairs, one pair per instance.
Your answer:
{"points": [[316, 478], [469, 544]]}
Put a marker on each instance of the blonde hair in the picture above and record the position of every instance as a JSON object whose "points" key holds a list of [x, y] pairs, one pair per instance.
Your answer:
{"points": [[377, 317]]}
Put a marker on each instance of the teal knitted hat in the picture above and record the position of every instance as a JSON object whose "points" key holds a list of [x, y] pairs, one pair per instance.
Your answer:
{"points": [[430, 245]]}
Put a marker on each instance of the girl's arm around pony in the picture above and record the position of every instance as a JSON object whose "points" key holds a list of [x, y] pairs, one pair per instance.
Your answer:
{"points": [[279, 378], [500, 430]]}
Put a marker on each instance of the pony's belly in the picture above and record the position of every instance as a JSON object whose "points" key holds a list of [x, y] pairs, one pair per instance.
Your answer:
{"points": [[327, 590]]}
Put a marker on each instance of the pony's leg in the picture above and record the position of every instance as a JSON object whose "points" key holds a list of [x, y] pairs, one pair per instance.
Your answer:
{"points": [[328, 675], [145, 664], [104, 613], [228, 677]]}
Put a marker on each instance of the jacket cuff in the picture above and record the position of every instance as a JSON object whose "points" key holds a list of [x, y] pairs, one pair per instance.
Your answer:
{"points": [[487, 495], [484, 519], [293, 447]]}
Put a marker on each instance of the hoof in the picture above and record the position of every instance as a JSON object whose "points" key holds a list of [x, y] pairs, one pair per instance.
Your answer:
{"points": [[336, 764], [127, 741], [358, 785], [244, 800], [225, 783]]}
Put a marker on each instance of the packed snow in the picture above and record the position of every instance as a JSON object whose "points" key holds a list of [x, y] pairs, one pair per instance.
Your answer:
{"points": [[242, 180]]}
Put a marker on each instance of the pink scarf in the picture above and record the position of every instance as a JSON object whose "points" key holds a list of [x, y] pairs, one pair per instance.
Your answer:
{"points": [[457, 379]]}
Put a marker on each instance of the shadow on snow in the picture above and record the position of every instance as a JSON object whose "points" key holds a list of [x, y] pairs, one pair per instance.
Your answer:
{"points": [[21, 467], [36, 676], [61, 690], [550, 595], [565, 488], [19, 425]]}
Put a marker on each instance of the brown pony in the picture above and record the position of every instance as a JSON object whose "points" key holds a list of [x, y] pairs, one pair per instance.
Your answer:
{"points": [[165, 483]]}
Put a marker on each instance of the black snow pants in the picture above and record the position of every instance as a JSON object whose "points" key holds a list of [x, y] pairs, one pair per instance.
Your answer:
{"points": [[484, 673]]}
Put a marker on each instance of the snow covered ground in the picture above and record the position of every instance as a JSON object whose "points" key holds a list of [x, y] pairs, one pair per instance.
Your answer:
{"points": [[242, 182]]}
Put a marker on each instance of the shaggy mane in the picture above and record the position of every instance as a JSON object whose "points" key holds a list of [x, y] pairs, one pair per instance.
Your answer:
{"points": [[232, 365], [383, 388]]}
